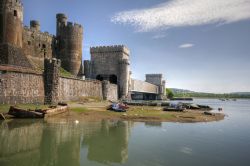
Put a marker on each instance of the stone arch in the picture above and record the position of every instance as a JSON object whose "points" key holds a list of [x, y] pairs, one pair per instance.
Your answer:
{"points": [[113, 79], [99, 77]]}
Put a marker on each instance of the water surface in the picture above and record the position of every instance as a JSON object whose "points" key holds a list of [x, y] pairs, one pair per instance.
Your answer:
{"points": [[57, 142]]}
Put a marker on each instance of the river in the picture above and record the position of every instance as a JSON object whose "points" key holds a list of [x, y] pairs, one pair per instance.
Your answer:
{"points": [[61, 142]]}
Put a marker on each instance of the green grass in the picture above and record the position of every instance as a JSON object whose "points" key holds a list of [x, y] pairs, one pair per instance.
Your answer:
{"points": [[149, 112], [90, 99], [80, 109], [64, 73], [4, 108]]}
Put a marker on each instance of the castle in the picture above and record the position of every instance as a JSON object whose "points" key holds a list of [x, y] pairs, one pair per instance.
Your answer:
{"points": [[31, 62]]}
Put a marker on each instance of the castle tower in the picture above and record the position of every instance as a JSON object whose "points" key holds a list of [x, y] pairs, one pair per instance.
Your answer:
{"points": [[11, 19], [35, 25], [124, 79], [110, 63], [69, 38], [157, 79]]}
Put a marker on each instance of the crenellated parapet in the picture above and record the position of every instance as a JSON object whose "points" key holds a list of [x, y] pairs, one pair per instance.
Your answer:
{"points": [[108, 49], [110, 63]]}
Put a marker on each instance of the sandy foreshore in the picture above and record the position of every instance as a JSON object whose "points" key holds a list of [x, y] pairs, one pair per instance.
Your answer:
{"points": [[95, 111]]}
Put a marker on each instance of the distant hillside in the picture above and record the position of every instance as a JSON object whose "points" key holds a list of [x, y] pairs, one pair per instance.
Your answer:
{"points": [[188, 93], [241, 93], [176, 90]]}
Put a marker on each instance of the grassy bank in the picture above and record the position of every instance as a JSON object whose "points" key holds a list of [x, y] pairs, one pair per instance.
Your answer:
{"points": [[97, 111]]}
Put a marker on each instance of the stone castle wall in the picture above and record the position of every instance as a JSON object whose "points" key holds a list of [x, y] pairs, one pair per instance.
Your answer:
{"points": [[16, 87], [37, 46], [13, 56], [110, 63], [73, 89], [109, 91], [23, 85]]}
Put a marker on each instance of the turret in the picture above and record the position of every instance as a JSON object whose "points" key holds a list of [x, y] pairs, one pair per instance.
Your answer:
{"points": [[35, 25], [124, 78], [11, 19], [61, 21], [69, 38], [157, 79]]}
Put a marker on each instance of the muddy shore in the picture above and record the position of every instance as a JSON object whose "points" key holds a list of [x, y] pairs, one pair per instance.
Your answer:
{"points": [[97, 111]]}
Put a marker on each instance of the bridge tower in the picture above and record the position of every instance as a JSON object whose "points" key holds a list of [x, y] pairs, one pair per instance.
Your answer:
{"points": [[110, 63]]}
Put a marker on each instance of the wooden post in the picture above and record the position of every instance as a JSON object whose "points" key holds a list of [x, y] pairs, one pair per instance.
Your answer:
{"points": [[2, 116]]}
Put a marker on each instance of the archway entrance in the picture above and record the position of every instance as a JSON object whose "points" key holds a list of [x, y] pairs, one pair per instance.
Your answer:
{"points": [[111, 78], [99, 77]]}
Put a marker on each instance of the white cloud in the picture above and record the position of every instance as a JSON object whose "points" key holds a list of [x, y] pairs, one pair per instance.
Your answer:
{"points": [[186, 45], [186, 150], [159, 36], [179, 13]]}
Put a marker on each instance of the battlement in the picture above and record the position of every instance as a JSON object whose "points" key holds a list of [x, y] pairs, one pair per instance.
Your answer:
{"points": [[34, 24], [61, 16], [108, 49], [38, 32], [53, 61], [71, 24], [154, 75], [74, 27]]}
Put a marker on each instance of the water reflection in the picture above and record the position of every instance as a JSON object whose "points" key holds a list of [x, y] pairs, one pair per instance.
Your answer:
{"points": [[59, 142], [153, 124], [110, 144]]}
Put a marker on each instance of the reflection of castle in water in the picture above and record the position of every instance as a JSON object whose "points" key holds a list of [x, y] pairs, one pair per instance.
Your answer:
{"points": [[52, 143], [110, 144]]}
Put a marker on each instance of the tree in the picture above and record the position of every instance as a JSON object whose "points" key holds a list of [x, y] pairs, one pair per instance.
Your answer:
{"points": [[169, 93]]}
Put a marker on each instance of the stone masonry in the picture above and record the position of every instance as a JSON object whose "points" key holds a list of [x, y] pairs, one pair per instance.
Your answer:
{"points": [[35, 46], [37, 57], [110, 63]]}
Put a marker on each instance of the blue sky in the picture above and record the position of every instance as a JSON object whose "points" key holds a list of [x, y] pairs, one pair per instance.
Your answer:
{"points": [[201, 45]]}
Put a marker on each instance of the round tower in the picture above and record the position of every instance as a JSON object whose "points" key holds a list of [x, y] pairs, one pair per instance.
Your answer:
{"points": [[61, 21], [69, 38], [124, 78], [11, 19], [35, 25]]}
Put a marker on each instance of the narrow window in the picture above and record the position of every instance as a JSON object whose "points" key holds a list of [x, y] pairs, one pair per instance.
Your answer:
{"points": [[44, 46], [29, 43], [15, 13]]}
